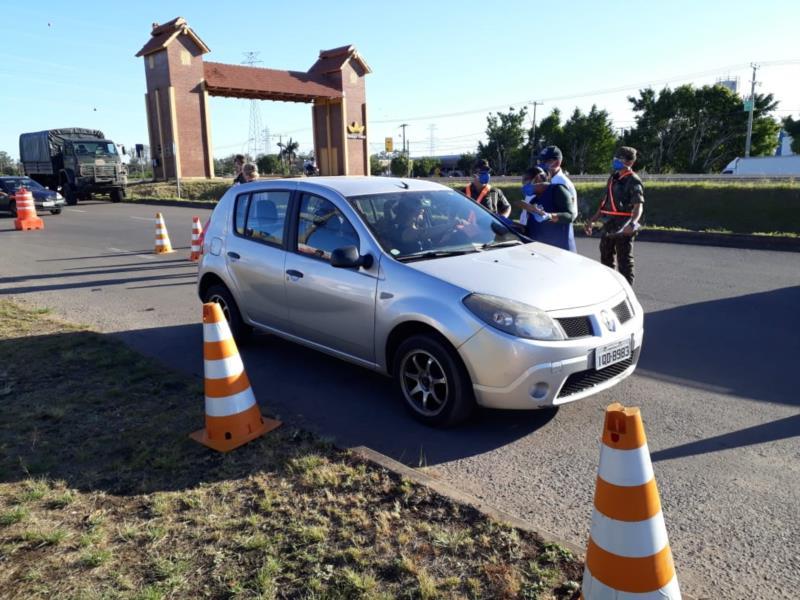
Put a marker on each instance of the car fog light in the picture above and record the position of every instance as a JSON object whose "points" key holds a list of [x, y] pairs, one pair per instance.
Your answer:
{"points": [[540, 390]]}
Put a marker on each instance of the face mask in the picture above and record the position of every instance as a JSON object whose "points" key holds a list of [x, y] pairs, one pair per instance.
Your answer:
{"points": [[527, 189], [617, 164], [483, 177]]}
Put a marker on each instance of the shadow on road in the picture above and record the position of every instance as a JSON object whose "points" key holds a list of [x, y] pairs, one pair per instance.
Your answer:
{"points": [[759, 434], [741, 345], [351, 405]]}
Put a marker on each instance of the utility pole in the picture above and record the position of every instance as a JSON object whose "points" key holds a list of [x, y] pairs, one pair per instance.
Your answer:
{"points": [[432, 129], [533, 132], [750, 111], [403, 127]]}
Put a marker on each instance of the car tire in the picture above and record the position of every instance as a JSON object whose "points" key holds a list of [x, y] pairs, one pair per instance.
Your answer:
{"points": [[221, 295], [55, 211], [116, 196], [433, 381], [12, 208]]}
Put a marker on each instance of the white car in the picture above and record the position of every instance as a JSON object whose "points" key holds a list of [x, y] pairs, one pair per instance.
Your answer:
{"points": [[416, 281]]}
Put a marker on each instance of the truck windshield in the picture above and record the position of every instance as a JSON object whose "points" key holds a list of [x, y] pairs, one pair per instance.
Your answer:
{"points": [[94, 148]]}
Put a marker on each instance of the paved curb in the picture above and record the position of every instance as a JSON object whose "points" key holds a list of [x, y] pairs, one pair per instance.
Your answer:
{"points": [[202, 204], [724, 240], [448, 491]]}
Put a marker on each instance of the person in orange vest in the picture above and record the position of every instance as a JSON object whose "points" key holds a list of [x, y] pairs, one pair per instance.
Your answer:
{"points": [[482, 193], [620, 211]]}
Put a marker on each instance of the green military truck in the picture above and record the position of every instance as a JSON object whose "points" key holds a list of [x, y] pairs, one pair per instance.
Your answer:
{"points": [[79, 162]]}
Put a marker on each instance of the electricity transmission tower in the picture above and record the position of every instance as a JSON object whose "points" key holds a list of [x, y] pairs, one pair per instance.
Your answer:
{"points": [[255, 132]]}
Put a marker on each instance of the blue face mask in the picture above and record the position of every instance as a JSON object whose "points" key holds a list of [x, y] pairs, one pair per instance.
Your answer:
{"points": [[617, 164], [483, 177], [528, 189]]}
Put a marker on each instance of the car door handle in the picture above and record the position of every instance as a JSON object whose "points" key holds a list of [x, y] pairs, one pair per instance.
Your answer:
{"points": [[234, 255], [294, 274]]}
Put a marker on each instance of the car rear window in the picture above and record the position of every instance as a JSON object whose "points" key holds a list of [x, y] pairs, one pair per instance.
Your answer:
{"points": [[266, 215]]}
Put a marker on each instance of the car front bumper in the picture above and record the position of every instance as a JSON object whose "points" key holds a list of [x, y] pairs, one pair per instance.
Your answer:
{"points": [[515, 373]]}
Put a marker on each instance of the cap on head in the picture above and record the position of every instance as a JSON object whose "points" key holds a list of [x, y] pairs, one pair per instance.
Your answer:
{"points": [[551, 153], [626, 153]]}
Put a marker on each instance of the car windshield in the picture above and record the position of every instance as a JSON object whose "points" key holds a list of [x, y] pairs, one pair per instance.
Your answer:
{"points": [[412, 225], [12, 185], [94, 148]]}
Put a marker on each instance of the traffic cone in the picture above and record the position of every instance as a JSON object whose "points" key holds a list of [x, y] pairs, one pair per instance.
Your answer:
{"points": [[232, 415], [197, 233], [628, 550], [26, 211], [163, 245]]}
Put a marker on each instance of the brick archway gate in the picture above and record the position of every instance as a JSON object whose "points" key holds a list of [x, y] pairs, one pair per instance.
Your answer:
{"points": [[179, 83]]}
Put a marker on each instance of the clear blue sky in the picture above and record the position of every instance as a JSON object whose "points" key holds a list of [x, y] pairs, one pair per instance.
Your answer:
{"points": [[68, 64]]}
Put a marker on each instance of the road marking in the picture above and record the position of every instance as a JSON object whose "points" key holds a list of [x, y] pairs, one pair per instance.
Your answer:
{"points": [[75, 210], [142, 218], [129, 253]]}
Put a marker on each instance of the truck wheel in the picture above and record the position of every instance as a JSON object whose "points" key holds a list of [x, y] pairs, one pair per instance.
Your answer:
{"points": [[116, 195], [70, 195]]}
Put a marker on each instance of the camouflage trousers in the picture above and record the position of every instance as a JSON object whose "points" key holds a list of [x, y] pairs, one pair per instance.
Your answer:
{"points": [[616, 251]]}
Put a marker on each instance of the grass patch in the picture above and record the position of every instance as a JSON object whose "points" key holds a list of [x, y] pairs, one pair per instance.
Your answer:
{"points": [[103, 495]]}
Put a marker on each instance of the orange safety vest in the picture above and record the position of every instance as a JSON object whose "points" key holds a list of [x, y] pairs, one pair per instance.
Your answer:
{"points": [[481, 196], [610, 196]]}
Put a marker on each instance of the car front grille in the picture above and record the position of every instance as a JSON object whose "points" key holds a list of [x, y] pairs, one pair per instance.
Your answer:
{"points": [[98, 170], [583, 380], [576, 327], [623, 312]]}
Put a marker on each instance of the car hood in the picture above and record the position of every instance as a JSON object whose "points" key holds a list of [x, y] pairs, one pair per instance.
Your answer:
{"points": [[537, 274]]}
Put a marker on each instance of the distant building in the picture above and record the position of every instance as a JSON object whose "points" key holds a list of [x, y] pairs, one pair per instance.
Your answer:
{"points": [[784, 144], [732, 83]]}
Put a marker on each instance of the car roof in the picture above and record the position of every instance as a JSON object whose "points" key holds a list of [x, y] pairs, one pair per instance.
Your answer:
{"points": [[358, 186]]}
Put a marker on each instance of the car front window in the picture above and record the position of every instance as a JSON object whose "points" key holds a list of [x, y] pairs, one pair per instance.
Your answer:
{"points": [[426, 224]]}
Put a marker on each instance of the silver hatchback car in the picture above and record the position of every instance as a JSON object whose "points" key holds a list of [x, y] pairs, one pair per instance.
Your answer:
{"points": [[416, 281]]}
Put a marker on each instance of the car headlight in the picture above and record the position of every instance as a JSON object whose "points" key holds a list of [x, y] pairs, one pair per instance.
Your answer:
{"points": [[514, 317], [59, 196]]}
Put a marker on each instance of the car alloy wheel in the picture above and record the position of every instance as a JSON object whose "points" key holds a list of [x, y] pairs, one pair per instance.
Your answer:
{"points": [[220, 294], [424, 383], [223, 304]]}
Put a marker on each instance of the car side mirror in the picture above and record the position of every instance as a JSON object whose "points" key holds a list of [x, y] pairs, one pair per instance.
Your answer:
{"points": [[348, 257]]}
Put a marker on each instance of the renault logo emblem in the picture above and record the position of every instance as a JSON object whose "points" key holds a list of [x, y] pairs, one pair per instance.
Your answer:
{"points": [[609, 320]]}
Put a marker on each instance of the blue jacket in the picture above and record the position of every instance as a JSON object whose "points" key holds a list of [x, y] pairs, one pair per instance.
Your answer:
{"points": [[557, 200]]}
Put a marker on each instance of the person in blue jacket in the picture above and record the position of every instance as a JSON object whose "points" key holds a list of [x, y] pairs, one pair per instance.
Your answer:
{"points": [[551, 217]]}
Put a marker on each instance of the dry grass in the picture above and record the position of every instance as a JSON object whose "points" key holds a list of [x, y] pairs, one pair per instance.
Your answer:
{"points": [[102, 495]]}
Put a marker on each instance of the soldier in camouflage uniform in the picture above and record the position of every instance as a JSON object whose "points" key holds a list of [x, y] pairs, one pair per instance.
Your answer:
{"points": [[620, 211]]}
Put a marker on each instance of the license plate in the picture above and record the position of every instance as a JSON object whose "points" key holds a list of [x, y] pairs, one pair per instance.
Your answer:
{"points": [[48, 203], [612, 354]]}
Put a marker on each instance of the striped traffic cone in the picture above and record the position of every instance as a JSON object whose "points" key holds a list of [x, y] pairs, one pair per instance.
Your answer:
{"points": [[232, 415], [26, 211], [197, 233], [163, 245], [628, 555]]}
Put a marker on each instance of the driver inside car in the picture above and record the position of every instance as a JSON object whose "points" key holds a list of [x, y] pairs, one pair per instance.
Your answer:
{"points": [[411, 231]]}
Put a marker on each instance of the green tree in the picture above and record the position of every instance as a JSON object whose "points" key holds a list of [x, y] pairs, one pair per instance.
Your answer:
{"points": [[8, 166], [588, 141], [268, 163], [465, 162], [400, 165], [549, 132], [425, 166], [505, 134], [698, 130], [792, 127], [288, 152]]}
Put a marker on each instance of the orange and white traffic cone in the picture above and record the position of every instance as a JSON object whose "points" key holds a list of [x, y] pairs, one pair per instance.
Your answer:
{"points": [[26, 211], [628, 555], [232, 415], [163, 245], [197, 233]]}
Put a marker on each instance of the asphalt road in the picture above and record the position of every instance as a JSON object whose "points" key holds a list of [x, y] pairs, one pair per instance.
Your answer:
{"points": [[715, 383]]}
